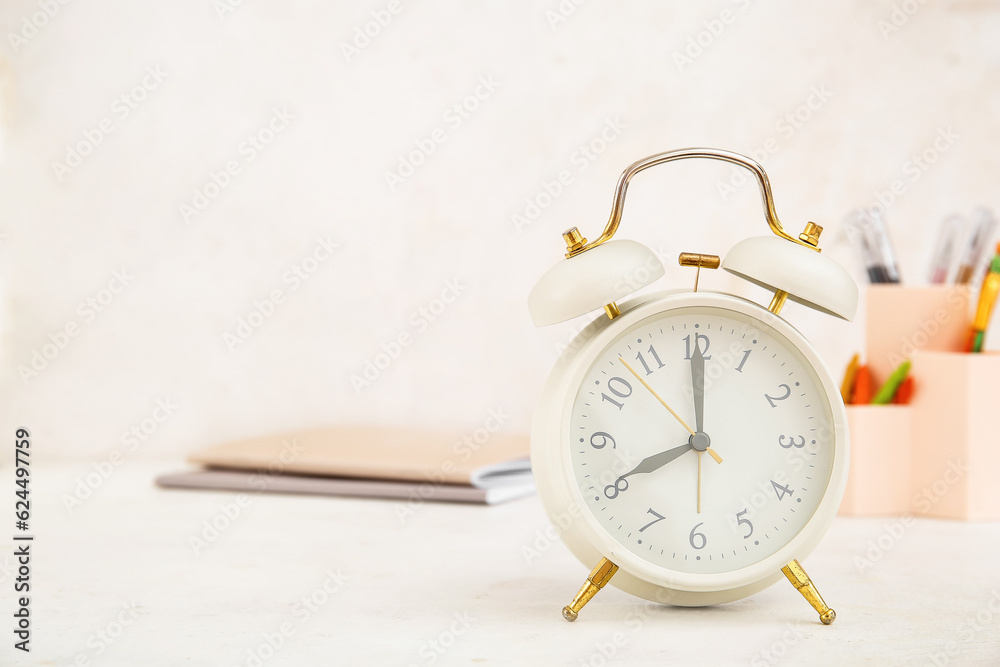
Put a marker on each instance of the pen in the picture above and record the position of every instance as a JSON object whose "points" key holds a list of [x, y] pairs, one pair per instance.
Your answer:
{"points": [[987, 299], [857, 226], [880, 238], [982, 230], [850, 375], [891, 386], [944, 250], [876, 248]]}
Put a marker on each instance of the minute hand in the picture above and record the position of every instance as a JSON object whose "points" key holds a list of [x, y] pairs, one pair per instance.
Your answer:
{"points": [[698, 384]]}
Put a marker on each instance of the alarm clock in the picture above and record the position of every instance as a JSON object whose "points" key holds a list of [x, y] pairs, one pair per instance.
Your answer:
{"points": [[691, 445]]}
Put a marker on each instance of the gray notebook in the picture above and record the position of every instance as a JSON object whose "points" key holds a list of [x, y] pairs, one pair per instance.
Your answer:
{"points": [[512, 487]]}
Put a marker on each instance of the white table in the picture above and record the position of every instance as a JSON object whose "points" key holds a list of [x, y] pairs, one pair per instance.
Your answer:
{"points": [[451, 585]]}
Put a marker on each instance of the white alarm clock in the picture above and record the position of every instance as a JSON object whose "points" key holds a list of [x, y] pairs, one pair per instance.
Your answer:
{"points": [[695, 440]]}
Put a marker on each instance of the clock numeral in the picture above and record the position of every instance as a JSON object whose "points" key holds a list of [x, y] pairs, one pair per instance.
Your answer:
{"points": [[697, 341], [694, 535], [791, 442], [746, 355], [612, 490], [781, 491], [659, 517], [620, 393], [605, 439], [746, 521], [772, 399], [656, 358]]}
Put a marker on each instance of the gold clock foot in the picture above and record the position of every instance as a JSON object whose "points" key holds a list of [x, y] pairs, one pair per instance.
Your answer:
{"points": [[803, 584], [598, 577]]}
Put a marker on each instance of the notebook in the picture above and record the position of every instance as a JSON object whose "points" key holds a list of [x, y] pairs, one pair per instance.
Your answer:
{"points": [[367, 461]]}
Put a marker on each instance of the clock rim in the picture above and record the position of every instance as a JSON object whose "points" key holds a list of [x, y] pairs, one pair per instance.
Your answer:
{"points": [[562, 498]]}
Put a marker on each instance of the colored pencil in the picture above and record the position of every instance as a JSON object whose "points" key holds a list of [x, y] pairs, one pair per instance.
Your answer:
{"points": [[905, 392], [850, 375], [891, 386], [862, 386]]}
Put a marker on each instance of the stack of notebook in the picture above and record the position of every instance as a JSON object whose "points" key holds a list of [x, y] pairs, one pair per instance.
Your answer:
{"points": [[367, 462]]}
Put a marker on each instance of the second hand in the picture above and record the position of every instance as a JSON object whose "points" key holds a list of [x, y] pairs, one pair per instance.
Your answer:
{"points": [[712, 452], [650, 389], [699, 482]]}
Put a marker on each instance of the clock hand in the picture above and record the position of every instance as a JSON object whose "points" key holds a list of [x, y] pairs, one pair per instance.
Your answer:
{"points": [[657, 461], [657, 396], [698, 384], [718, 459], [699, 482]]}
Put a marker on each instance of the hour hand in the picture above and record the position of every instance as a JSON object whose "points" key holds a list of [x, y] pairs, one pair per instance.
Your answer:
{"points": [[657, 461]]}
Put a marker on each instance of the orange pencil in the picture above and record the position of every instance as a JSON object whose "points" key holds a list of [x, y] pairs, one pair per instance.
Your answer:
{"points": [[905, 392], [850, 376], [863, 386]]}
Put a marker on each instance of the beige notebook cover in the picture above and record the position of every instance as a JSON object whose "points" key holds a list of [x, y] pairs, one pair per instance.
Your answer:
{"points": [[380, 453]]}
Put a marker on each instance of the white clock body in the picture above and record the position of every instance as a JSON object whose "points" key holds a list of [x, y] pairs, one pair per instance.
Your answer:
{"points": [[681, 535]]}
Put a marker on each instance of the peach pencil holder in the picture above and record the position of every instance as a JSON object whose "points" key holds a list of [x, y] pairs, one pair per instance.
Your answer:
{"points": [[956, 436], [939, 456], [902, 320], [879, 479]]}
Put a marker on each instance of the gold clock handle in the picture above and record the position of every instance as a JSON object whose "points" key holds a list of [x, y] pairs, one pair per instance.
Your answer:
{"points": [[576, 243]]}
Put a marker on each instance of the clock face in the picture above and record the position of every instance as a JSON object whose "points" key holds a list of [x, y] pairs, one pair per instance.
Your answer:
{"points": [[749, 478]]}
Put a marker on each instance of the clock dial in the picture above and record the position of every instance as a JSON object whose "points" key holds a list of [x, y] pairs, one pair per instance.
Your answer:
{"points": [[701, 440]]}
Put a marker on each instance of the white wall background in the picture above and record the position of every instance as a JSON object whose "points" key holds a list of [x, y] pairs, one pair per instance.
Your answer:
{"points": [[889, 94]]}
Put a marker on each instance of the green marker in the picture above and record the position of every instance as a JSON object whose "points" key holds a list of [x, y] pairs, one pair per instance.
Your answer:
{"points": [[891, 386]]}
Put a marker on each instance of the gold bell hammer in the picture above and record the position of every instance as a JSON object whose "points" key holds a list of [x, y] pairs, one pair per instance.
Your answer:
{"points": [[698, 260]]}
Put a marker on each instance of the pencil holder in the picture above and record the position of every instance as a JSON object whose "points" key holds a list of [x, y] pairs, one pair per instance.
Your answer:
{"points": [[956, 452], [878, 481], [902, 320]]}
